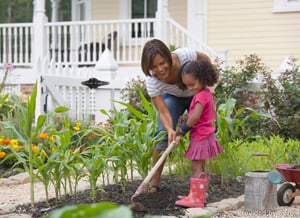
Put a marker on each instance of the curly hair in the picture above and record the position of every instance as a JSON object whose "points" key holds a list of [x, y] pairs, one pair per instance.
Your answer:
{"points": [[204, 71]]}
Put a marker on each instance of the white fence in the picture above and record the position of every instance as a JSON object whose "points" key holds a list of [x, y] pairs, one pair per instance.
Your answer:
{"points": [[63, 86]]}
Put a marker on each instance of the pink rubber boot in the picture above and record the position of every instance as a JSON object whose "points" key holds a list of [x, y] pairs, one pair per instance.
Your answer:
{"points": [[197, 195], [204, 180]]}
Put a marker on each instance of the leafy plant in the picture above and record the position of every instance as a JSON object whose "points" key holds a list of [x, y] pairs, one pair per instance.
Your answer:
{"points": [[131, 95], [231, 125], [26, 158], [282, 98]]}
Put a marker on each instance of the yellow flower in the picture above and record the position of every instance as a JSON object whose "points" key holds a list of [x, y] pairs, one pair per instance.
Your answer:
{"points": [[43, 154], [15, 147], [43, 135], [53, 149], [14, 143], [52, 139], [2, 154], [77, 126]]}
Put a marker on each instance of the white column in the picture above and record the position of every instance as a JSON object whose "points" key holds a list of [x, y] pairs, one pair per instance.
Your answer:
{"points": [[161, 19], [55, 5], [39, 46], [197, 19], [39, 31]]}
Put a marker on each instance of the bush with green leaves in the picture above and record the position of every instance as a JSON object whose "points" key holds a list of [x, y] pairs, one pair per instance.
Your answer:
{"points": [[131, 95], [278, 97], [282, 98]]}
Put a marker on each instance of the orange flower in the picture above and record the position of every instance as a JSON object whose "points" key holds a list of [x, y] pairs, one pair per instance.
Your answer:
{"points": [[73, 149], [82, 149], [2, 154], [5, 142], [21, 147], [43, 135], [91, 136], [34, 148]]}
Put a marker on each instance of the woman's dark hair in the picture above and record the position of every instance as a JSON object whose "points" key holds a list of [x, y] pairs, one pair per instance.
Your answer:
{"points": [[203, 71], [151, 49]]}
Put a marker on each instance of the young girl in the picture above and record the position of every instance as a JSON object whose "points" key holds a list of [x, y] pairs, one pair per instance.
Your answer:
{"points": [[197, 76]]}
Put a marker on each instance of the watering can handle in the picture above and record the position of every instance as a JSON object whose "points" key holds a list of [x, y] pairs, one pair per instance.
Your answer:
{"points": [[258, 154]]}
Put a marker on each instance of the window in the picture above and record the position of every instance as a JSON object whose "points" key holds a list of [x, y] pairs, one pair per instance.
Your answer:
{"points": [[286, 6], [143, 9]]}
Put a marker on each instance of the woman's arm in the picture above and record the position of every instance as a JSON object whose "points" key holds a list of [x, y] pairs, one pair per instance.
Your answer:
{"points": [[165, 116], [202, 57]]}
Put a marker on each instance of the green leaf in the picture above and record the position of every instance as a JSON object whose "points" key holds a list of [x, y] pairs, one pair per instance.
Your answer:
{"points": [[98, 210], [61, 109]]}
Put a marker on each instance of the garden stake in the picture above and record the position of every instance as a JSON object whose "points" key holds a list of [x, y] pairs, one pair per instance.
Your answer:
{"points": [[136, 205]]}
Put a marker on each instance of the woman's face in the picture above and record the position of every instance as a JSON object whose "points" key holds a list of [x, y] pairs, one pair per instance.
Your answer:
{"points": [[160, 68], [191, 83]]}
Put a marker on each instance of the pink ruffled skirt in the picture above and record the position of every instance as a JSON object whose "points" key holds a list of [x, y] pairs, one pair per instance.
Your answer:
{"points": [[204, 149]]}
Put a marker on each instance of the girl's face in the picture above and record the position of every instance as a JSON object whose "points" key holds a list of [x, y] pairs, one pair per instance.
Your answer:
{"points": [[193, 84], [160, 68]]}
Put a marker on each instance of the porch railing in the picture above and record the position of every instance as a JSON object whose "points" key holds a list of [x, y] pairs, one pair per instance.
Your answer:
{"points": [[81, 43], [16, 44]]}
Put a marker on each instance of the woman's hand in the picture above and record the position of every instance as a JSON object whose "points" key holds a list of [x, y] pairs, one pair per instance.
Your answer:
{"points": [[171, 136]]}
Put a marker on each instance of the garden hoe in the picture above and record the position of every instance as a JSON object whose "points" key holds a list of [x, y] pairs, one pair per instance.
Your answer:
{"points": [[136, 205]]}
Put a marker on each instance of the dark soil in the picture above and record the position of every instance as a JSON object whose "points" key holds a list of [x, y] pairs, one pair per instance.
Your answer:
{"points": [[161, 203]]}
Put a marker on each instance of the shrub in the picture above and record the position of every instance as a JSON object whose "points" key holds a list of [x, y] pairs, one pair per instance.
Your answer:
{"points": [[131, 95], [278, 97]]}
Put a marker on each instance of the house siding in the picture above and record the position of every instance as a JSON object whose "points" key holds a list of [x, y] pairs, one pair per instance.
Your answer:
{"points": [[100, 10], [250, 27], [178, 11]]}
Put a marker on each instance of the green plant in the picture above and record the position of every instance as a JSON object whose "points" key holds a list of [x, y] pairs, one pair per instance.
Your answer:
{"points": [[236, 81], [252, 85], [231, 125], [131, 95], [7, 68], [173, 47], [26, 137], [282, 98], [136, 133], [100, 210]]}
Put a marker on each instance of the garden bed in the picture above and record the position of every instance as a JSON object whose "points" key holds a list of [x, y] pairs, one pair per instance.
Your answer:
{"points": [[161, 203]]}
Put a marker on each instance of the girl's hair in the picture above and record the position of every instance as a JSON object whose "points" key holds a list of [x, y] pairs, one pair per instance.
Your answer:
{"points": [[151, 49], [203, 71]]}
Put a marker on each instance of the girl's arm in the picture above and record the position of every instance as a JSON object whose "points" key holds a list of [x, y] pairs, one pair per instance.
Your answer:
{"points": [[195, 116]]}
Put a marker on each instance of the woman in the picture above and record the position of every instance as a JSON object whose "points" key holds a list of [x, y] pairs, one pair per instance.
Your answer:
{"points": [[162, 68]]}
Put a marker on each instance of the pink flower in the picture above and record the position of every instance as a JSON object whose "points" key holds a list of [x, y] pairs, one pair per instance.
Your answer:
{"points": [[8, 67]]}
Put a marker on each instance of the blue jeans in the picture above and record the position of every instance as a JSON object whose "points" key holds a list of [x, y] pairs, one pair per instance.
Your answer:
{"points": [[177, 106]]}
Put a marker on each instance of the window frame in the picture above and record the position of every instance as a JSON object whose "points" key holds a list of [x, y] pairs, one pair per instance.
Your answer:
{"points": [[281, 6]]}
